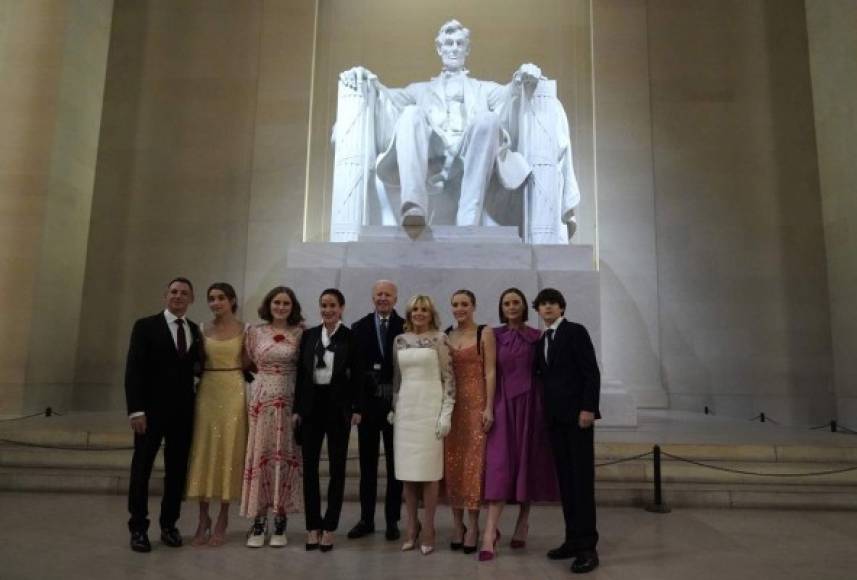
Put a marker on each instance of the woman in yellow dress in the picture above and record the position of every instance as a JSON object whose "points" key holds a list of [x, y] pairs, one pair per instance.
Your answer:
{"points": [[220, 423]]}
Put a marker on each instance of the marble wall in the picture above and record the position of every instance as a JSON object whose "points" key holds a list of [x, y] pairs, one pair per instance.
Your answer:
{"points": [[201, 165], [53, 55], [710, 234], [742, 281], [832, 26]]}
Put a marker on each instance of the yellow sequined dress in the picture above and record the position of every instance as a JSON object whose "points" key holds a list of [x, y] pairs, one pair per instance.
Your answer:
{"points": [[220, 424]]}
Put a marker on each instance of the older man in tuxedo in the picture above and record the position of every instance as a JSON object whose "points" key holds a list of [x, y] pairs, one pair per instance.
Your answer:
{"points": [[164, 356], [566, 364], [376, 332]]}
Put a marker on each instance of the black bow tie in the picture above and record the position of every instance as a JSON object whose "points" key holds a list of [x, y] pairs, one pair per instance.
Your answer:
{"points": [[320, 349]]}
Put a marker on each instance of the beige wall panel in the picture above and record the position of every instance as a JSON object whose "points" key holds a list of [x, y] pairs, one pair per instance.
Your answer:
{"points": [[626, 206], [744, 319], [279, 147], [174, 169], [832, 28], [52, 55]]}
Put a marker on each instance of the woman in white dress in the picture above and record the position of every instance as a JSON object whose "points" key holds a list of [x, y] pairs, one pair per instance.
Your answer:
{"points": [[424, 397]]}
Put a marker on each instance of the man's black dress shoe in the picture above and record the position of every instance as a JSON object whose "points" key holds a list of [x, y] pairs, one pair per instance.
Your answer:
{"points": [[392, 534], [585, 562], [360, 529], [563, 552], [140, 542], [171, 538]]}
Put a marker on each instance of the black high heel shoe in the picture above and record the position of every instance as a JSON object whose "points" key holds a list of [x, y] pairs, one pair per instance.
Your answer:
{"points": [[312, 546], [470, 549], [325, 547], [455, 546]]}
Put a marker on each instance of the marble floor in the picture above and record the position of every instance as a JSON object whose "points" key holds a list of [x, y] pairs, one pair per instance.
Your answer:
{"points": [[71, 537]]}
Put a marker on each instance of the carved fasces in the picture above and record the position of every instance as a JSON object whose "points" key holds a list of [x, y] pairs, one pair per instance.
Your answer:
{"points": [[354, 139]]}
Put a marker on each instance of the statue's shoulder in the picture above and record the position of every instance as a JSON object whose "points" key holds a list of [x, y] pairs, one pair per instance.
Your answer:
{"points": [[419, 86]]}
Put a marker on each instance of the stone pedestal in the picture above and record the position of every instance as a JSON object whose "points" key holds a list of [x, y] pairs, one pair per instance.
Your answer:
{"points": [[437, 262]]}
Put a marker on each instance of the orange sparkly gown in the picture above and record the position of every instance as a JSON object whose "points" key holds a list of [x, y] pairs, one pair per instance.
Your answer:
{"points": [[464, 447]]}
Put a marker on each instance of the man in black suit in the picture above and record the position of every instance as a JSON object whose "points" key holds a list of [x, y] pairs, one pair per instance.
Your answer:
{"points": [[565, 362], [164, 355], [376, 332]]}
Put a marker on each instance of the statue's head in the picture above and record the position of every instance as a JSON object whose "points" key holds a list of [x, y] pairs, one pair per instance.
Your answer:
{"points": [[453, 44]]}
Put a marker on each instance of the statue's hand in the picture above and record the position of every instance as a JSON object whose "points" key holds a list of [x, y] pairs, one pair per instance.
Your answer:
{"points": [[528, 73], [357, 75]]}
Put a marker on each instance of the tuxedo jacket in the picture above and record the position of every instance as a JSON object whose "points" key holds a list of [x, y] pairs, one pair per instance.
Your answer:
{"points": [[571, 379], [348, 377], [377, 365], [157, 380]]}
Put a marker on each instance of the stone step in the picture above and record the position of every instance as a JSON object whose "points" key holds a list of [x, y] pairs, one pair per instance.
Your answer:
{"points": [[608, 492], [765, 466]]}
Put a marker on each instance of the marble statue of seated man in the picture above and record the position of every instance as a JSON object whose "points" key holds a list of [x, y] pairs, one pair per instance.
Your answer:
{"points": [[449, 125]]}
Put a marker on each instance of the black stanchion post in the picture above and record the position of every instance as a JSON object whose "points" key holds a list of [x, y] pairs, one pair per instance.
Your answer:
{"points": [[658, 506], [833, 425], [762, 417], [706, 410]]}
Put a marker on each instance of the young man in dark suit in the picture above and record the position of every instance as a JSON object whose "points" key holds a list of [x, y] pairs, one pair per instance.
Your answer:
{"points": [[164, 356], [375, 332], [566, 365]]}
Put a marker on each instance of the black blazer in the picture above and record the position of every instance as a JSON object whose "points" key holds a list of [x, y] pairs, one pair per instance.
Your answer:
{"points": [[571, 379], [366, 335], [157, 379], [347, 379]]}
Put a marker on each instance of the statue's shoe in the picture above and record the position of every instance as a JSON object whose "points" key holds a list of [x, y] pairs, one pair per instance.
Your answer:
{"points": [[414, 217]]}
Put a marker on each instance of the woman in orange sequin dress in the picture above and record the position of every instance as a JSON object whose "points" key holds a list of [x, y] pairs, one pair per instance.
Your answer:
{"points": [[473, 357]]}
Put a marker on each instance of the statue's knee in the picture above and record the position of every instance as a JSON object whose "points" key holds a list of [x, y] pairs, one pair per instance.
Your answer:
{"points": [[486, 122], [412, 115]]}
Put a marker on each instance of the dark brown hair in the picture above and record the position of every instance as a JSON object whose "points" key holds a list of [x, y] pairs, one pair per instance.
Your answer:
{"points": [[523, 298], [182, 280], [228, 290], [467, 293], [549, 295], [336, 293], [295, 316]]}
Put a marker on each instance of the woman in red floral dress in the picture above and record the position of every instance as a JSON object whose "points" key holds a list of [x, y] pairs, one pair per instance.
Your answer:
{"points": [[273, 465]]}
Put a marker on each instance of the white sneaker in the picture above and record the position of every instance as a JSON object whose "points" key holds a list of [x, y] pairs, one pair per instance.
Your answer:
{"points": [[257, 533], [278, 536]]}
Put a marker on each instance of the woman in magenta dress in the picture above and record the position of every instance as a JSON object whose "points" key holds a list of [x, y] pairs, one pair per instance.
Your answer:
{"points": [[519, 467]]}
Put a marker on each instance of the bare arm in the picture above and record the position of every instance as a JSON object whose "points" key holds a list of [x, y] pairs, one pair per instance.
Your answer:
{"points": [[489, 362]]}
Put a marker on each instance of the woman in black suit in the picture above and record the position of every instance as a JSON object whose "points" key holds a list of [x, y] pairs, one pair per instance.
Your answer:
{"points": [[328, 400]]}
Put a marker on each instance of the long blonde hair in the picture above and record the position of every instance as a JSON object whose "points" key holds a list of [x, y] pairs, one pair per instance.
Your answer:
{"points": [[421, 300]]}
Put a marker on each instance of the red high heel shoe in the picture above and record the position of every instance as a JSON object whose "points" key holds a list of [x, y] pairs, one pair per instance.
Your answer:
{"points": [[516, 544], [487, 555]]}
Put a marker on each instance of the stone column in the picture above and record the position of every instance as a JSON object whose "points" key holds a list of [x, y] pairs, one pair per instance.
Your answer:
{"points": [[626, 200], [833, 67], [53, 56]]}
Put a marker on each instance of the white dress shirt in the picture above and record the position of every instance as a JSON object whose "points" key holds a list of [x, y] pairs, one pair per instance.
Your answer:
{"points": [[553, 327], [322, 376]]}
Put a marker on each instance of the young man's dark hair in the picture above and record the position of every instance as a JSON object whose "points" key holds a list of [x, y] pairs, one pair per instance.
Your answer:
{"points": [[549, 295]]}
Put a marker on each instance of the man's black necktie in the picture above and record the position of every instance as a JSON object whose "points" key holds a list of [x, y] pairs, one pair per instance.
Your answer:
{"points": [[181, 338], [549, 334], [385, 327]]}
